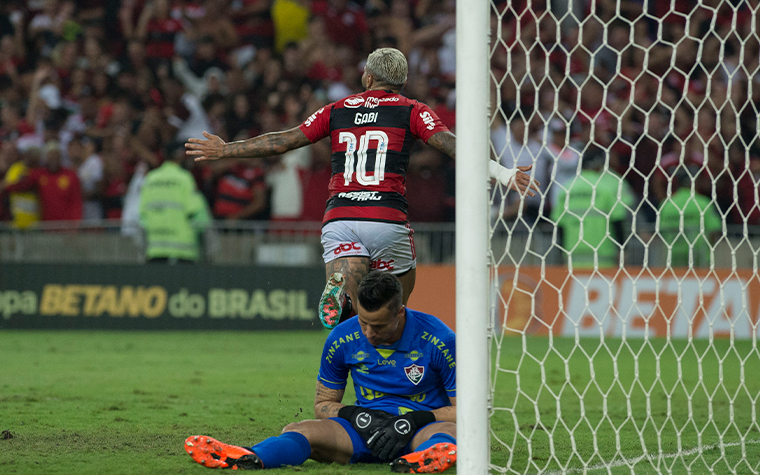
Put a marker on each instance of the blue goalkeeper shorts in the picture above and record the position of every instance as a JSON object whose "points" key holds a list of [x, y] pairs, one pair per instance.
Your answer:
{"points": [[361, 453]]}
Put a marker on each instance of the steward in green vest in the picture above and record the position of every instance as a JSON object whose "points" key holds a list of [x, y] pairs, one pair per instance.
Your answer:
{"points": [[689, 223], [592, 212], [172, 212]]}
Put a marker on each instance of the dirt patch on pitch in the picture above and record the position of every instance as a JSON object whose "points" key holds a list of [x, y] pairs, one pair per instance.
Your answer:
{"points": [[6, 434]]}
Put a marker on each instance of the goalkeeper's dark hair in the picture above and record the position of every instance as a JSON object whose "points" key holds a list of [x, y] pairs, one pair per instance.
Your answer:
{"points": [[378, 289]]}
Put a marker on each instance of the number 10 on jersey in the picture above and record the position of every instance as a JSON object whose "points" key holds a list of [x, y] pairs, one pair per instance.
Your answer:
{"points": [[361, 156]]}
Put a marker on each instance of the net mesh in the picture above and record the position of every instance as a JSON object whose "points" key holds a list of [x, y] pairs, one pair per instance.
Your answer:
{"points": [[625, 295]]}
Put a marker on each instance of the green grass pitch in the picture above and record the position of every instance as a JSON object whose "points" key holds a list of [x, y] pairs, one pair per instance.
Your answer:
{"points": [[123, 402]]}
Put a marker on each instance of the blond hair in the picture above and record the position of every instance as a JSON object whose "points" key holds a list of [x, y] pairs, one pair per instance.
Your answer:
{"points": [[388, 65]]}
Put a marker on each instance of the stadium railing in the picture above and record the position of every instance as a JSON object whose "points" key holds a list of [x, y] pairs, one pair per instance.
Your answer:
{"points": [[298, 244]]}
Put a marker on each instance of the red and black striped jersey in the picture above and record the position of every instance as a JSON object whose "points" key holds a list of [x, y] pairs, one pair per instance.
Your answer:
{"points": [[371, 135]]}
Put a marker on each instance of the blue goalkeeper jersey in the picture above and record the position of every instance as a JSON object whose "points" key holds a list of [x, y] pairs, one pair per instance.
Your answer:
{"points": [[416, 373]]}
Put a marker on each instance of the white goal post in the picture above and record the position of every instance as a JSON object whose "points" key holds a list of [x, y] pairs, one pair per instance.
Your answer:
{"points": [[611, 323], [472, 307]]}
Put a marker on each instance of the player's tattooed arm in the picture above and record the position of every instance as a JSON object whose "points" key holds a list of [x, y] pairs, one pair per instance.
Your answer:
{"points": [[353, 269], [445, 142], [266, 145], [327, 402]]}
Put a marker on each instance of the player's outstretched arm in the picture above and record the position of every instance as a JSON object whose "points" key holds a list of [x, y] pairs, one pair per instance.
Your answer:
{"points": [[444, 142], [514, 179], [266, 145], [327, 402]]}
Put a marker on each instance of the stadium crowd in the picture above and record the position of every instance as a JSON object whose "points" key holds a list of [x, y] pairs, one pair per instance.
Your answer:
{"points": [[109, 89]]}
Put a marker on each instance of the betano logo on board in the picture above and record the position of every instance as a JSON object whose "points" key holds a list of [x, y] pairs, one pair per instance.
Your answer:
{"points": [[155, 301]]}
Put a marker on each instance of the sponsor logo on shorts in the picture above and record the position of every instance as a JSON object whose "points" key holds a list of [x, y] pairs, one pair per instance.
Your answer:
{"points": [[414, 373], [379, 264], [346, 247], [360, 195], [353, 102]]}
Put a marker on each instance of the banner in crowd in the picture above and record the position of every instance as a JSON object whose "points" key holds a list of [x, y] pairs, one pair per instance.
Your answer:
{"points": [[159, 296], [636, 302]]}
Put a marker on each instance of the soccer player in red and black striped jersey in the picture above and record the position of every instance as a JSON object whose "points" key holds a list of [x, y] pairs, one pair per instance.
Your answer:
{"points": [[365, 224]]}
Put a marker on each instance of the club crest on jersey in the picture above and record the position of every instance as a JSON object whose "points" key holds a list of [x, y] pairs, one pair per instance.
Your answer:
{"points": [[353, 102], [414, 373]]}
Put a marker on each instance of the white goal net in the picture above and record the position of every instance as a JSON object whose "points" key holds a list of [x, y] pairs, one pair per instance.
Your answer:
{"points": [[625, 297]]}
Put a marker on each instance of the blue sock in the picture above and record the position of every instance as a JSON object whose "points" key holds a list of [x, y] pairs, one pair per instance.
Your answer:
{"points": [[435, 439], [290, 448]]}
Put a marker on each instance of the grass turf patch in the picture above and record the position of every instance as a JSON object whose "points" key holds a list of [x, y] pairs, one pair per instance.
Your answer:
{"points": [[605, 404], [123, 402]]}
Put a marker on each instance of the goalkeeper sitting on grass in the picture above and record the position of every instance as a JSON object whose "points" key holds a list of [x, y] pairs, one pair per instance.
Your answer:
{"points": [[404, 374]]}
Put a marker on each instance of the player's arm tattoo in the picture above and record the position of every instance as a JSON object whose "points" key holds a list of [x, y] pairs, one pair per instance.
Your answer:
{"points": [[327, 402], [445, 142], [353, 269], [266, 145]]}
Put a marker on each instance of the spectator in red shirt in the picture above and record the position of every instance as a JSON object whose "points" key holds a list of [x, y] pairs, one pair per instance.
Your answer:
{"points": [[253, 22], [316, 183], [158, 30], [57, 187], [115, 184], [241, 193], [345, 23], [426, 186]]}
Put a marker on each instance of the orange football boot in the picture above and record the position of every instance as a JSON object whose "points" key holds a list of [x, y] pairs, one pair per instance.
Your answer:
{"points": [[435, 459], [211, 453]]}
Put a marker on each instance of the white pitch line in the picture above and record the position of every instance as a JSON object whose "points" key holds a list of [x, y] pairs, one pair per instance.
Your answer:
{"points": [[635, 460]]}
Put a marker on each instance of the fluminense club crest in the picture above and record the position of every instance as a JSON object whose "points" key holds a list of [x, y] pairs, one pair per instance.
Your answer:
{"points": [[414, 373]]}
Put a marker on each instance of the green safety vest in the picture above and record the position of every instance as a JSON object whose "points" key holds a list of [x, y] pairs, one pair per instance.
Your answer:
{"points": [[586, 210], [172, 212], [700, 218]]}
